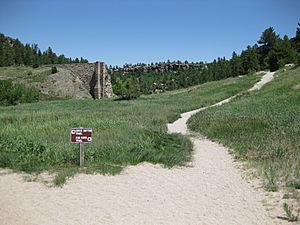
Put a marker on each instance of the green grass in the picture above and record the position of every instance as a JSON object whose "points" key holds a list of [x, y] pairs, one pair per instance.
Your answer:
{"points": [[25, 73], [291, 215], [262, 127], [35, 137]]}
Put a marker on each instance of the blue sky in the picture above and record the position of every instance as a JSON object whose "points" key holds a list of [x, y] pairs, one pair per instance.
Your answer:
{"points": [[132, 31]]}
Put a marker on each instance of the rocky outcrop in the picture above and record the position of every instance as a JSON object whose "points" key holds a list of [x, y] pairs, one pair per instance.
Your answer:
{"points": [[158, 67]]}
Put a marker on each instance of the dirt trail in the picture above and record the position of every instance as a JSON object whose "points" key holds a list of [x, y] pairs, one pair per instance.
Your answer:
{"points": [[211, 191], [180, 126]]}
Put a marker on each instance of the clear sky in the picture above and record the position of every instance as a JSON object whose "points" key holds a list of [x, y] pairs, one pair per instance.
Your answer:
{"points": [[132, 31]]}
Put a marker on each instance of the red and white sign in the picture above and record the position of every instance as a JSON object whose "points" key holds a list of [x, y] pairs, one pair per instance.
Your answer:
{"points": [[81, 135]]}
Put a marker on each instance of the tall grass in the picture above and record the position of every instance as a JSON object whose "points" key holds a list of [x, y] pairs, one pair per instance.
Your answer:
{"points": [[262, 127], [35, 137]]}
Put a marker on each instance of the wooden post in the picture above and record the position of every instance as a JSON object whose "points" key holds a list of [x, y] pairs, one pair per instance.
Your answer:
{"points": [[81, 154]]}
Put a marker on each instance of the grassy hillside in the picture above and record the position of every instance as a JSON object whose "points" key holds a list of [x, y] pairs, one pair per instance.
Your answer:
{"points": [[25, 73], [35, 137], [262, 127], [60, 85]]}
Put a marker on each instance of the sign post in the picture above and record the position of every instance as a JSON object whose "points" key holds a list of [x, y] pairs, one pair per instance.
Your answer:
{"points": [[81, 136], [81, 145]]}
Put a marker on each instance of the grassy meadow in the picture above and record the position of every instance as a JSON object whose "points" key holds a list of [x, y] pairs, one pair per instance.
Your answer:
{"points": [[35, 137], [262, 127]]}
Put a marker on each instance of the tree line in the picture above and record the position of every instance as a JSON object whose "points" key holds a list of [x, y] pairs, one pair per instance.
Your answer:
{"points": [[271, 52], [13, 52]]}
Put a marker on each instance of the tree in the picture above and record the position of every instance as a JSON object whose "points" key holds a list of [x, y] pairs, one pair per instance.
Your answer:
{"points": [[267, 41], [250, 60], [268, 37], [1, 54], [281, 54], [8, 59], [28, 55], [296, 40], [236, 65], [35, 50], [18, 52], [127, 88]]}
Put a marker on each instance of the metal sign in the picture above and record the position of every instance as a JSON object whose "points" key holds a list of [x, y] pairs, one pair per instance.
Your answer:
{"points": [[81, 135]]}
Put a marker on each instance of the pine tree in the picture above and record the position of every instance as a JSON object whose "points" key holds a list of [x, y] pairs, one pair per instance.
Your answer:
{"points": [[8, 59], [236, 65], [18, 52], [267, 40], [281, 54], [268, 37], [28, 55], [296, 39], [250, 60], [1, 54]]}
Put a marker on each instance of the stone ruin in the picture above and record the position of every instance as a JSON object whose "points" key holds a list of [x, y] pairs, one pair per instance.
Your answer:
{"points": [[102, 86], [90, 80]]}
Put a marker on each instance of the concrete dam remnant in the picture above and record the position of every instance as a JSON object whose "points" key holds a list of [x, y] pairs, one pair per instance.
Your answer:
{"points": [[102, 87], [81, 80]]}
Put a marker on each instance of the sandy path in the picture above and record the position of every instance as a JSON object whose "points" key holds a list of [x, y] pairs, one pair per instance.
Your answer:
{"points": [[210, 192]]}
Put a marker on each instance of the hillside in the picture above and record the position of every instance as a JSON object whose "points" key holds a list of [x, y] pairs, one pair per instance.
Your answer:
{"points": [[262, 128], [14, 53], [71, 80]]}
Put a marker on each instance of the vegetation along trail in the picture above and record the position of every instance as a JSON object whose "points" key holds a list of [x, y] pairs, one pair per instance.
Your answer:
{"points": [[211, 191]]}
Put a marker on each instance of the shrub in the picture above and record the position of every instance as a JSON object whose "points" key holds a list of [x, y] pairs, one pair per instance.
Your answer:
{"points": [[12, 94], [35, 65], [126, 89], [53, 69]]}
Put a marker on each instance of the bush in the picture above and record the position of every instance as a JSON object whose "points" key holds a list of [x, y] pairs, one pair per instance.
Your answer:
{"points": [[12, 94], [126, 89], [53, 69], [35, 65]]}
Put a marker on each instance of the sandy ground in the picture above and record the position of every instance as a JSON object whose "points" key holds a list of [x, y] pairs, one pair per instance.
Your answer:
{"points": [[210, 191]]}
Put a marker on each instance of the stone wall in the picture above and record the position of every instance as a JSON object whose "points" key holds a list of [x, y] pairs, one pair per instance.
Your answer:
{"points": [[94, 76]]}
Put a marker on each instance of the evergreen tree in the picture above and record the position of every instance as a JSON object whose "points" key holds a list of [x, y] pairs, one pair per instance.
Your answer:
{"points": [[250, 60], [236, 65], [13, 52], [8, 59], [267, 41], [268, 38], [18, 52], [35, 50], [296, 40], [281, 54], [28, 55], [1, 54]]}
